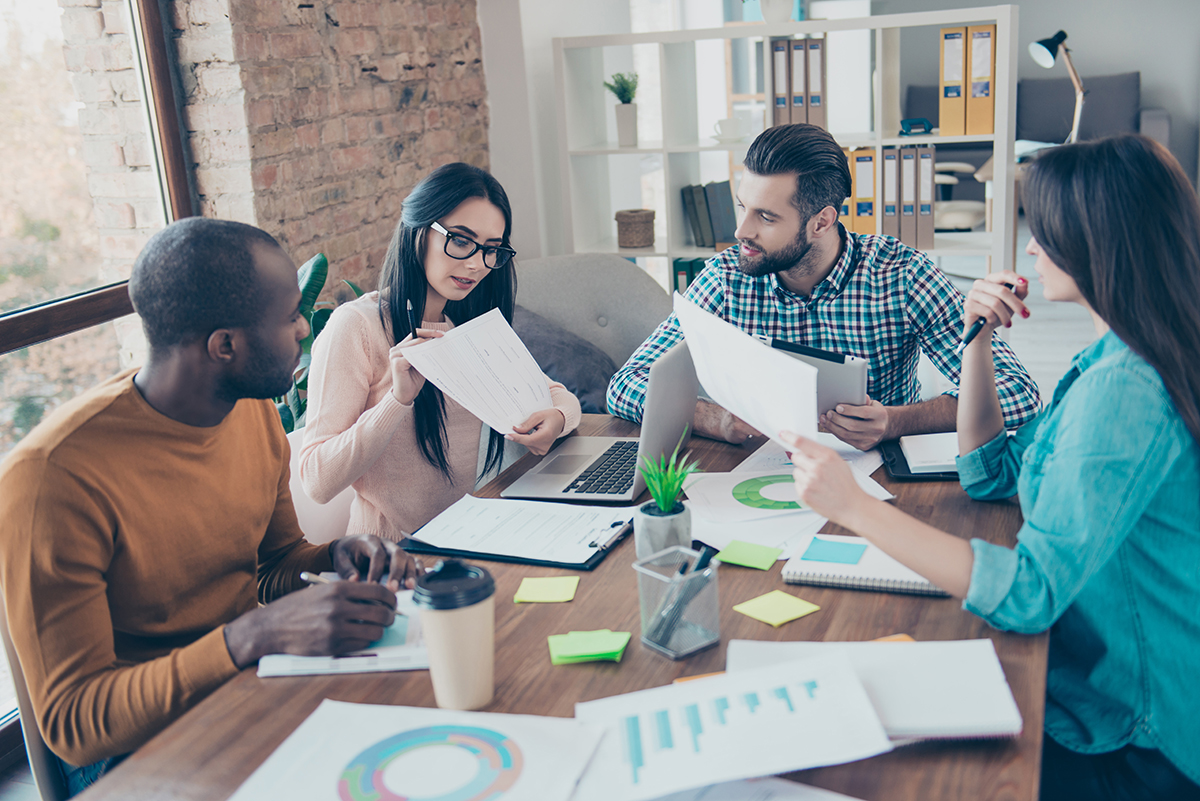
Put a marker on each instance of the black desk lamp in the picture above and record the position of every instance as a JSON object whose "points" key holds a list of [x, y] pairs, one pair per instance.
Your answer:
{"points": [[1044, 52]]}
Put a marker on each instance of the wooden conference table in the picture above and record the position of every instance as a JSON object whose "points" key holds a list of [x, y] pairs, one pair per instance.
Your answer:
{"points": [[211, 750]]}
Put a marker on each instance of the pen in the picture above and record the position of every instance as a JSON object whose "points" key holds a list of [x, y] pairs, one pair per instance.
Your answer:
{"points": [[974, 330], [412, 319], [313, 578]]}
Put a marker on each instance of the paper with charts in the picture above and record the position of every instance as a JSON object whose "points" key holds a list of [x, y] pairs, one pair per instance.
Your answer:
{"points": [[485, 367], [734, 726], [765, 387], [364, 752]]}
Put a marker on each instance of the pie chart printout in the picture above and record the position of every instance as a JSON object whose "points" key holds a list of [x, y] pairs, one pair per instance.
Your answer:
{"points": [[768, 492], [458, 763]]}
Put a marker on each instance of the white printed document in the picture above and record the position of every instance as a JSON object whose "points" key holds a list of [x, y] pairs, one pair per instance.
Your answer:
{"points": [[364, 751], [550, 532], [766, 387], [736, 726], [921, 690], [785, 531], [486, 368], [772, 456], [401, 648]]}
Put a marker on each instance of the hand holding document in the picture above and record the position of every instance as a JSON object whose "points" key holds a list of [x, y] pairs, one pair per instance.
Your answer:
{"points": [[765, 387], [484, 367]]}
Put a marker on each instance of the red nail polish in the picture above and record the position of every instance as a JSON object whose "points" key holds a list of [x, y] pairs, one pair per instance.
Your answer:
{"points": [[1022, 281], [1008, 324], [1024, 312]]}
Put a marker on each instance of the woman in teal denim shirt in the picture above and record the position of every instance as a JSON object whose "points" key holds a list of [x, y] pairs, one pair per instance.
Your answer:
{"points": [[1108, 476]]}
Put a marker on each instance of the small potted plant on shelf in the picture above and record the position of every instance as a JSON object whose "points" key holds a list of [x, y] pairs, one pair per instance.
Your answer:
{"points": [[664, 521], [776, 10], [624, 86]]}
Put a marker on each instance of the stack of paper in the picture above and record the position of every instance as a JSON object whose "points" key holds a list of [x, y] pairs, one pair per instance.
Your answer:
{"points": [[587, 646], [921, 690], [735, 726], [363, 751]]}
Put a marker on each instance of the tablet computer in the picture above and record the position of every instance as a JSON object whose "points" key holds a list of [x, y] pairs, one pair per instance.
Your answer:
{"points": [[840, 378]]}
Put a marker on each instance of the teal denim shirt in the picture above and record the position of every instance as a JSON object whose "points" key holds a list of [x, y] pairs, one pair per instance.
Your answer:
{"points": [[1109, 555]]}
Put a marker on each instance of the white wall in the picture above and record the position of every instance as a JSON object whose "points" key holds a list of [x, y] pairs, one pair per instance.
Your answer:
{"points": [[524, 147], [1158, 38], [509, 141]]}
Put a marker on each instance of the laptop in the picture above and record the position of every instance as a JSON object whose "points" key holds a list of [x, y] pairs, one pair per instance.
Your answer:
{"points": [[840, 378], [604, 469]]}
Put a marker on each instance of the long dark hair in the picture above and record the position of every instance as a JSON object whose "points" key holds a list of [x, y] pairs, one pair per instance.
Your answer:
{"points": [[403, 281], [1120, 217]]}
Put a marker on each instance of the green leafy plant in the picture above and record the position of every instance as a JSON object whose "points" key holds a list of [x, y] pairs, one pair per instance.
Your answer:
{"points": [[623, 85], [665, 477], [311, 279]]}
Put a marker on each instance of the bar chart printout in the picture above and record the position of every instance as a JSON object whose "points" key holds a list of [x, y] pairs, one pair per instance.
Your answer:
{"points": [[729, 727]]}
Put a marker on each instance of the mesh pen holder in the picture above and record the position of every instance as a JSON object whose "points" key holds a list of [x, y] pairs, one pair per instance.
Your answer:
{"points": [[680, 613]]}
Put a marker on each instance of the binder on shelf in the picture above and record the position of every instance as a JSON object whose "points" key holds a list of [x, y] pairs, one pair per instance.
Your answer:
{"points": [[926, 188], [682, 268], [981, 95], [864, 191], [720, 210], [891, 192], [780, 55], [952, 101], [799, 85], [908, 196], [701, 205], [816, 82], [847, 217], [696, 267], [689, 214]]}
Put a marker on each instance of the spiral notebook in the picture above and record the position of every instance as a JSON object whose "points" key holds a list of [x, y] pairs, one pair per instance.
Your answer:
{"points": [[829, 560]]}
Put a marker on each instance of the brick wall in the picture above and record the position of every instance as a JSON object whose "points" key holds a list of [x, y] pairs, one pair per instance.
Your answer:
{"points": [[313, 120]]}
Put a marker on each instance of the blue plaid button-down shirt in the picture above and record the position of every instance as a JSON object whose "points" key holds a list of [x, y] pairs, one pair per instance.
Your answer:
{"points": [[883, 301]]}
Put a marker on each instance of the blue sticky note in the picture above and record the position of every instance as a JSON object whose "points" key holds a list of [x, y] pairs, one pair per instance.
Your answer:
{"points": [[395, 634], [844, 553]]}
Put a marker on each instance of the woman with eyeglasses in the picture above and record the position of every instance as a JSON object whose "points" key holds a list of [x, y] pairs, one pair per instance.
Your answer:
{"points": [[1108, 475], [374, 423]]}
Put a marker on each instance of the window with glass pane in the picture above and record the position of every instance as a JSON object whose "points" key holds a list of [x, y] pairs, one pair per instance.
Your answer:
{"points": [[79, 195]]}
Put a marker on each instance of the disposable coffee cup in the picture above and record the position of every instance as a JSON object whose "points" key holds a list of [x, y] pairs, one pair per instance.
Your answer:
{"points": [[458, 621]]}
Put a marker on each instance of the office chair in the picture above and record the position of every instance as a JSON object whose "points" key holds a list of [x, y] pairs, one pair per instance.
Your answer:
{"points": [[320, 522], [47, 775]]}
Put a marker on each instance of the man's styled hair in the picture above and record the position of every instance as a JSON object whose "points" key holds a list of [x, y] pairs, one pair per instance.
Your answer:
{"points": [[195, 276], [822, 172]]}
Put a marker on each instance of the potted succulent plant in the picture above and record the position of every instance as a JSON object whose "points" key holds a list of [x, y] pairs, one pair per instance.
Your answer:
{"points": [[624, 86], [664, 521]]}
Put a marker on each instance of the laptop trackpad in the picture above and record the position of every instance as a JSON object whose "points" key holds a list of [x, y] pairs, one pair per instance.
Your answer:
{"points": [[567, 463]]}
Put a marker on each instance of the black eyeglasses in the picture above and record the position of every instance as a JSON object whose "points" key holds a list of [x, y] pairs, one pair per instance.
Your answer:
{"points": [[460, 247]]}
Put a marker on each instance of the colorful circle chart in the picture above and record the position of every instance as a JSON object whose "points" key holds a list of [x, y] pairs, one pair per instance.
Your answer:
{"points": [[498, 761], [749, 492]]}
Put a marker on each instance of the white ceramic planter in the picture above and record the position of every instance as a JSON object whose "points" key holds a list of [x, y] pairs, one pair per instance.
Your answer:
{"points": [[626, 124], [656, 532], [776, 10]]}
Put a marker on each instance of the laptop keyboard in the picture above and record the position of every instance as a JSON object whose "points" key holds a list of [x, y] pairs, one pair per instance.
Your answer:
{"points": [[611, 473]]}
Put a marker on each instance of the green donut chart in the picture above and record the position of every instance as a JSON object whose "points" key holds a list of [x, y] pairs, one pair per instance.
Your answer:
{"points": [[749, 493]]}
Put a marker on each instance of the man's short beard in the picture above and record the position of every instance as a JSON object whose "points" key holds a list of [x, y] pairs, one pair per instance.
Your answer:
{"points": [[786, 258]]}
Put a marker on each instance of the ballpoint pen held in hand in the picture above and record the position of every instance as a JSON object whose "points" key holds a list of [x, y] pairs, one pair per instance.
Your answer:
{"points": [[974, 330]]}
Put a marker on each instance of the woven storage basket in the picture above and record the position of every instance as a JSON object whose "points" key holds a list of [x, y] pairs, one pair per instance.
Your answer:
{"points": [[635, 228]]}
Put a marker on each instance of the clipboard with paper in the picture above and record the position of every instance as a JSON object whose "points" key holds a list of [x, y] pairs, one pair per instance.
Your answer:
{"points": [[526, 532]]}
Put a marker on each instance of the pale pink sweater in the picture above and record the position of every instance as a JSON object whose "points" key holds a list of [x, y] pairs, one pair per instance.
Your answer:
{"points": [[359, 435]]}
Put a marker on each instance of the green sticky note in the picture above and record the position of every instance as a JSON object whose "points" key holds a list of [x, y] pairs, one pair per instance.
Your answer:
{"points": [[776, 608], [395, 634], [747, 554], [587, 646], [553, 590], [843, 553]]}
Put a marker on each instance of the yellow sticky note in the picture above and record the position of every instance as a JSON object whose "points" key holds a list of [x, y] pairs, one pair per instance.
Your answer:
{"points": [[551, 590], [776, 608]]}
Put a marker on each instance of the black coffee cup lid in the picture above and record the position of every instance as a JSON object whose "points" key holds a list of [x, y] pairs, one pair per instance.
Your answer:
{"points": [[453, 584]]}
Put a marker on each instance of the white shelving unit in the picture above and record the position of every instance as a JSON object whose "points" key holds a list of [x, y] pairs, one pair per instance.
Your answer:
{"points": [[591, 163]]}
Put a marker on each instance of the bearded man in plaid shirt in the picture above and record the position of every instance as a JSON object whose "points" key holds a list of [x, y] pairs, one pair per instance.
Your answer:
{"points": [[797, 275]]}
